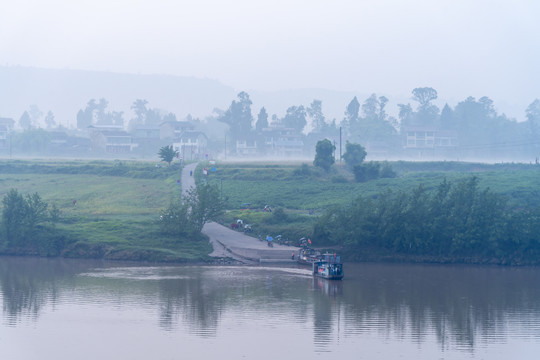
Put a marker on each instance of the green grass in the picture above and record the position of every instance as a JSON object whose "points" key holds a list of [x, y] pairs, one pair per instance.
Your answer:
{"points": [[278, 185], [95, 195], [118, 203], [119, 211]]}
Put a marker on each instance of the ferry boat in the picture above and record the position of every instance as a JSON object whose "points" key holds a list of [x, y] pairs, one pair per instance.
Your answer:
{"points": [[307, 256], [329, 266]]}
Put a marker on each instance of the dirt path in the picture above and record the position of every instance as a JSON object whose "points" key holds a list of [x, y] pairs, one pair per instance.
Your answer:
{"points": [[228, 243]]}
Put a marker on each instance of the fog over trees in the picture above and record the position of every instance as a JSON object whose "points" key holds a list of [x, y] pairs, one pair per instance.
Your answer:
{"points": [[419, 128]]}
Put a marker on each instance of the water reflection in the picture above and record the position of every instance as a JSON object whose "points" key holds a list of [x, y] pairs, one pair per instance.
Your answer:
{"points": [[27, 285], [457, 307], [457, 303]]}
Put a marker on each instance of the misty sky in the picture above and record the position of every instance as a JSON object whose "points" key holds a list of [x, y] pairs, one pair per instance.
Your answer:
{"points": [[459, 47]]}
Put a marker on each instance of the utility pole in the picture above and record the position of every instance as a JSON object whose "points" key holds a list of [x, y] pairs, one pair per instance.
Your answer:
{"points": [[340, 144], [221, 191]]}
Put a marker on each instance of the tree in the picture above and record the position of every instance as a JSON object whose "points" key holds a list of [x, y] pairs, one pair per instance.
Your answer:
{"points": [[144, 115], [35, 114], [204, 205], [25, 121], [447, 118], [383, 100], [370, 107], [354, 154], [375, 125], [475, 122], [167, 154], [153, 117], [318, 121], [115, 118], [238, 117], [424, 96], [100, 115], [175, 219], [295, 118], [351, 113], [49, 120], [13, 213], [140, 110], [172, 117], [426, 113], [533, 112], [21, 217], [405, 115], [187, 216], [533, 119], [365, 172], [262, 120], [85, 117], [324, 154], [32, 141]]}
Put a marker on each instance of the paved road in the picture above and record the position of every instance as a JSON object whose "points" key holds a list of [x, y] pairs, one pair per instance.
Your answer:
{"points": [[234, 244]]}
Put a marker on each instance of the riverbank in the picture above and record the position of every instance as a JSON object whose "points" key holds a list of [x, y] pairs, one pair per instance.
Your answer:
{"points": [[111, 209]]}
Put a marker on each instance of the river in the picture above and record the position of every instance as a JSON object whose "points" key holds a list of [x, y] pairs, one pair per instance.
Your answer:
{"points": [[67, 309]]}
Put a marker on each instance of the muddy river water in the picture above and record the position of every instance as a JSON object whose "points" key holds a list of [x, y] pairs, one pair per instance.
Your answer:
{"points": [[64, 309]]}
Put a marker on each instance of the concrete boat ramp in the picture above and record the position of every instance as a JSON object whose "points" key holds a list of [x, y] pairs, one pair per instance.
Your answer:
{"points": [[228, 243], [243, 248]]}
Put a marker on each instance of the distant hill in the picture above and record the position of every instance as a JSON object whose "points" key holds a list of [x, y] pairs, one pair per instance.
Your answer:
{"points": [[64, 92]]}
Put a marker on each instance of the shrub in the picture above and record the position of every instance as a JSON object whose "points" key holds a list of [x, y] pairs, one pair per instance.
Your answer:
{"points": [[278, 216], [339, 179], [387, 171], [302, 171], [366, 172]]}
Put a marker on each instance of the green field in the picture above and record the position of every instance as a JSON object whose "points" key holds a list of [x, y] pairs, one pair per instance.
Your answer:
{"points": [[277, 185], [307, 195], [117, 206], [118, 203]]}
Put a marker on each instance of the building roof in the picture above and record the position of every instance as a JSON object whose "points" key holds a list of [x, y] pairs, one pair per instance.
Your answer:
{"points": [[191, 134], [177, 124], [147, 127], [115, 133], [7, 121]]}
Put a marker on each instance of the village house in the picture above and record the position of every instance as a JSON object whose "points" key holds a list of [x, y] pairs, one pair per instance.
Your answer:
{"points": [[246, 147], [191, 145], [283, 142], [111, 139], [6, 126], [429, 141], [173, 129]]}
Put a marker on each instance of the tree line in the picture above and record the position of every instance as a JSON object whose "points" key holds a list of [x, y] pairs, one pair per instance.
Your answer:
{"points": [[354, 160], [479, 129], [28, 225], [96, 113], [455, 222]]}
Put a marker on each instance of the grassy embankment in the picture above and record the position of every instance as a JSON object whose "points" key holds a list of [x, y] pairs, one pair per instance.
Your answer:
{"points": [[118, 203], [117, 206], [305, 194]]}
